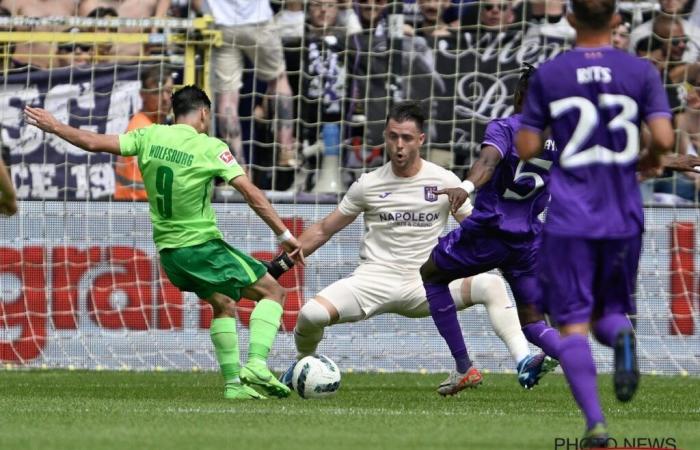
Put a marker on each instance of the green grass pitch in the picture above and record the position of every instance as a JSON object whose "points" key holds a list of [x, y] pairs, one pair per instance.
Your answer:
{"points": [[169, 410]]}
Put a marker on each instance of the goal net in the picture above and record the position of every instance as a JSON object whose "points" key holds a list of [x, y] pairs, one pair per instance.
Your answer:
{"points": [[80, 280]]}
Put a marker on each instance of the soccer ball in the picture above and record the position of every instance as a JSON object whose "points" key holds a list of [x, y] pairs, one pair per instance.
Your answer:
{"points": [[316, 377]]}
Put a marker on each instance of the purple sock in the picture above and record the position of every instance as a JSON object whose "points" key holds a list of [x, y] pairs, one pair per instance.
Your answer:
{"points": [[608, 327], [444, 313], [577, 362], [543, 336]]}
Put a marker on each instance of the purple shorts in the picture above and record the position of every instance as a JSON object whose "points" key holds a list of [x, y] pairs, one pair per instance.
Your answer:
{"points": [[470, 250], [584, 279]]}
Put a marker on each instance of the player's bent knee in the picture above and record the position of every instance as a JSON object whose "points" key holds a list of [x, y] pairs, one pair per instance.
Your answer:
{"points": [[488, 288], [313, 316]]}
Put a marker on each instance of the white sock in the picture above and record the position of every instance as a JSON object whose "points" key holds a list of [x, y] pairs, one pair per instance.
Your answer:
{"points": [[313, 318], [490, 291]]}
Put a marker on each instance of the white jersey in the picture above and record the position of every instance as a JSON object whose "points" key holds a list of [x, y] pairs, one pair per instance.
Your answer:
{"points": [[238, 12], [403, 216]]}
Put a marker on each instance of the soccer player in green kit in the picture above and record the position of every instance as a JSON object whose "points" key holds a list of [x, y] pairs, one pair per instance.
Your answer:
{"points": [[178, 163]]}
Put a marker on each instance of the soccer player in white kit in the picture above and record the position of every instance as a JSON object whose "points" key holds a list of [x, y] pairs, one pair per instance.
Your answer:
{"points": [[404, 214]]}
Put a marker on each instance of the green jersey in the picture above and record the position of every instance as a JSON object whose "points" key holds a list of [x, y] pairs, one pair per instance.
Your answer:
{"points": [[177, 165]]}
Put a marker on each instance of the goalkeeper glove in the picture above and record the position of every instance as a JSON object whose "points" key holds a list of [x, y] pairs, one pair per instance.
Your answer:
{"points": [[279, 265]]}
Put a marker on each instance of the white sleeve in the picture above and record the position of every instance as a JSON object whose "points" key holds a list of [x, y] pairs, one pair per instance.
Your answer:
{"points": [[452, 181], [354, 201]]}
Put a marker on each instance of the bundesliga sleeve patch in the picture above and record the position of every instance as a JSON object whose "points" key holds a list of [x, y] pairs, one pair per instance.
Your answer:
{"points": [[227, 157]]}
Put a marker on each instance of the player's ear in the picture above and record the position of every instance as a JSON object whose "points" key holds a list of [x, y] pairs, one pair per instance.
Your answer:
{"points": [[421, 138]]}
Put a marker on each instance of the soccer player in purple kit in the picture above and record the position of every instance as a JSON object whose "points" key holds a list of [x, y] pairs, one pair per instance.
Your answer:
{"points": [[502, 232], [593, 100]]}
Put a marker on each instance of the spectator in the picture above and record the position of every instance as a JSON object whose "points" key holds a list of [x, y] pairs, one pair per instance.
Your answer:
{"points": [[432, 23], [37, 54], [74, 53], [496, 14], [669, 43], [248, 30], [686, 185], [621, 36], [324, 71], [131, 9], [156, 92], [103, 49], [673, 8], [372, 15]]}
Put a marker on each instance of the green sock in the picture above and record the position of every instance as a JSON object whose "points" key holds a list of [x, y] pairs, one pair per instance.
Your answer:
{"points": [[264, 323], [225, 340]]}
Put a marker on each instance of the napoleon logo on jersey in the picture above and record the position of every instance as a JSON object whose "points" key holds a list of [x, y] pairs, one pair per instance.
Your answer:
{"points": [[430, 195]]}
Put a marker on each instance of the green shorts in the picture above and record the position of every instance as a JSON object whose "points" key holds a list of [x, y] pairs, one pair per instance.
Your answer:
{"points": [[213, 266]]}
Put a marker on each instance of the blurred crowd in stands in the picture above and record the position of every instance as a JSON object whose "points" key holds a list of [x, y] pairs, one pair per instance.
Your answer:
{"points": [[300, 81]]}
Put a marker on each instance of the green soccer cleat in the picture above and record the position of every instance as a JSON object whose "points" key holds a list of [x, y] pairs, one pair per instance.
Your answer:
{"points": [[238, 391], [256, 374]]}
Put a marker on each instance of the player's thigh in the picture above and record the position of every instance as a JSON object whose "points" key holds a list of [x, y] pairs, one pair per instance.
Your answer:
{"points": [[408, 299], [367, 292], [566, 268], [344, 298], [263, 46], [228, 62], [616, 278], [213, 266], [466, 252], [520, 271]]}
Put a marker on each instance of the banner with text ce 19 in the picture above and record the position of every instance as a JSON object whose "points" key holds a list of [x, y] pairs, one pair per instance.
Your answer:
{"points": [[96, 98]]}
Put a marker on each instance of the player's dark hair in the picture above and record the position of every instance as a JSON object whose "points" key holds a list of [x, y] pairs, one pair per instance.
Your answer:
{"points": [[407, 110], [523, 82], [593, 14], [189, 98]]}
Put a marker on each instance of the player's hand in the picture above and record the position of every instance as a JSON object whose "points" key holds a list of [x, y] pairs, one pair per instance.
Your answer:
{"points": [[294, 251], [457, 196], [41, 118], [649, 166], [682, 163], [8, 205]]}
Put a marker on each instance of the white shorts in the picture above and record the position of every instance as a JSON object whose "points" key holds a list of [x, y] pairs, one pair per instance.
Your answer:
{"points": [[259, 42], [375, 289]]}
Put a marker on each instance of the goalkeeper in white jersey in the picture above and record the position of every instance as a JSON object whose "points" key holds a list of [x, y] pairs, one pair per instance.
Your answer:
{"points": [[404, 215]]}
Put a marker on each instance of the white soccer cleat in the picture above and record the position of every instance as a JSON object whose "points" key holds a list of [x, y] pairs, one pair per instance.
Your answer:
{"points": [[457, 381]]}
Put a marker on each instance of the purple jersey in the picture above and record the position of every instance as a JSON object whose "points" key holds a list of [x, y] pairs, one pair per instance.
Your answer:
{"points": [[594, 100], [517, 192]]}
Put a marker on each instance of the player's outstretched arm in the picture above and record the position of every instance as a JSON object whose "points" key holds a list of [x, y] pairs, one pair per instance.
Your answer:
{"points": [[8, 197], [681, 163], [480, 173], [262, 207], [320, 232], [87, 140]]}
